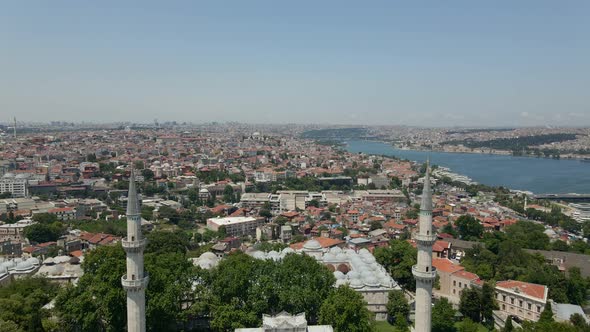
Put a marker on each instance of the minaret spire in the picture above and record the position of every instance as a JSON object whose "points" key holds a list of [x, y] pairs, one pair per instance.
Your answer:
{"points": [[423, 272], [136, 280]]}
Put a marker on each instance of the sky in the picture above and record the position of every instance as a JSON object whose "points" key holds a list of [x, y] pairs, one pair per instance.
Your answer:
{"points": [[428, 63]]}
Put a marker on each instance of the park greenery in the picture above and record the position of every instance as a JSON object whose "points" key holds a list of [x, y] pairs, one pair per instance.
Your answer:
{"points": [[21, 304], [181, 296]]}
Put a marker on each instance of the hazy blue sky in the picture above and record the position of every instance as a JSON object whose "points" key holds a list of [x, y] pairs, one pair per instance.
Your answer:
{"points": [[351, 62]]}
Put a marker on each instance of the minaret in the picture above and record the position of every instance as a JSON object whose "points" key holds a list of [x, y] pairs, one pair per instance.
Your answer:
{"points": [[135, 281], [423, 272]]}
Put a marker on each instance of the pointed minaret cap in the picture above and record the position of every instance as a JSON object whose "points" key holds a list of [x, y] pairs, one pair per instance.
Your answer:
{"points": [[132, 198], [426, 203]]}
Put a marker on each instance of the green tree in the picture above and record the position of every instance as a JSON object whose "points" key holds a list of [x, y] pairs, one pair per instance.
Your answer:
{"points": [[398, 259], [167, 242], [228, 194], [147, 174], [9, 326], [375, 224], [97, 302], [401, 323], [41, 232], [469, 228], [21, 304], [44, 218], [443, 316], [346, 310], [470, 304], [397, 304], [488, 305], [508, 327], [546, 314], [467, 325]]}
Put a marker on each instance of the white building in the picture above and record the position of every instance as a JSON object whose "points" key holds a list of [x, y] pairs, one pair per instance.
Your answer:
{"points": [[17, 185], [14, 232], [236, 226], [521, 299]]}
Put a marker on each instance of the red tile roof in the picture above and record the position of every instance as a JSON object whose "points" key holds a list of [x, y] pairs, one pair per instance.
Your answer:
{"points": [[532, 290], [445, 265]]}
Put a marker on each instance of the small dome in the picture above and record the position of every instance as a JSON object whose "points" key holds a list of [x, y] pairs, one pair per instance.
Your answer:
{"points": [[312, 245], [33, 260], [371, 282], [9, 265], [353, 275], [365, 252], [17, 260], [3, 270], [259, 255], [49, 261], [341, 282], [386, 282], [356, 283], [336, 250], [208, 255], [287, 251], [339, 275], [61, 259], [274, 255]]}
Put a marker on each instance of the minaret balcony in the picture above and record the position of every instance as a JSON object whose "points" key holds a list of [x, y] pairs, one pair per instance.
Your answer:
{"points": [[420, 274], [425, 240], [134, 246], [135, 284]]}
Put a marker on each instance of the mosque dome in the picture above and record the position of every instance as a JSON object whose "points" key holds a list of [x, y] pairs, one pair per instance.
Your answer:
{"points": [[312, 245], [3, 270], [33, 261], [336, 250], [9, 265], [259, 255], [23, 266]]}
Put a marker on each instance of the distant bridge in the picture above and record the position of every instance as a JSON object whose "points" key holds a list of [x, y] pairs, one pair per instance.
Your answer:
{"points": [[565, 197]]}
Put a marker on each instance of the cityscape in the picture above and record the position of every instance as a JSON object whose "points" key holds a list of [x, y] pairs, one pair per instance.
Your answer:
{"points": [[288, 167]]}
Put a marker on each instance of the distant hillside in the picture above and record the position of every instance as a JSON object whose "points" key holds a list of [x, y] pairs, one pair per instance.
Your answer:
{"points": [[516, 143], [337, 134]]}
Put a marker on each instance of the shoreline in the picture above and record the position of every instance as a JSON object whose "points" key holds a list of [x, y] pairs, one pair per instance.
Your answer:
{"points": [[515, 187]]}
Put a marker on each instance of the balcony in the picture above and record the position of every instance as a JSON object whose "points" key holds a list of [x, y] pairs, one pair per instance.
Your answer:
{"points": [[425, 240], [134, 245], [430, 275], [135, 285]]}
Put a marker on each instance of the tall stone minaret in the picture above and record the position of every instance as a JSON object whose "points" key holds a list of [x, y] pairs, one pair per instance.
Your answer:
{"points": [[423, 272], [135, 281]]}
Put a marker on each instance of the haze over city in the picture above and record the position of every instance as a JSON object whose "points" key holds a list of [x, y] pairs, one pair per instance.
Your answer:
{"points": [[431, 64]]}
